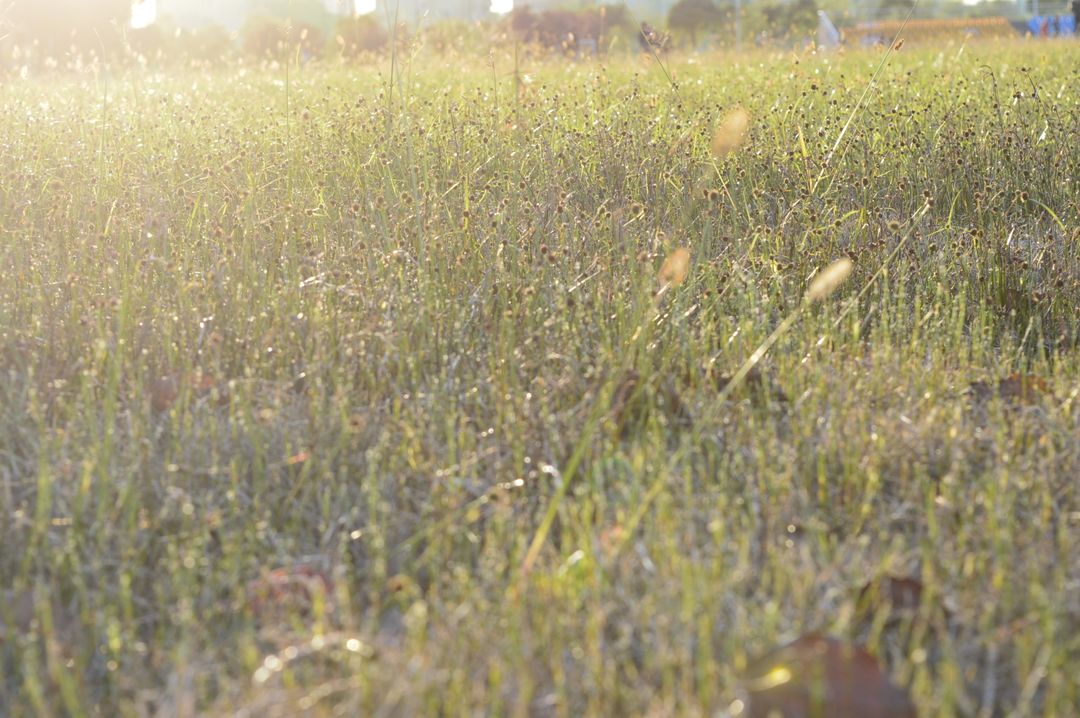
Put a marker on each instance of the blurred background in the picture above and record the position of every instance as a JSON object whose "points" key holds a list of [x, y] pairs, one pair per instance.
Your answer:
{"points": [[38, 35]]}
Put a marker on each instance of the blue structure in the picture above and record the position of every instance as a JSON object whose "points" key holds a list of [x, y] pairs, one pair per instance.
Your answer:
{"points": [[1052, 25]]}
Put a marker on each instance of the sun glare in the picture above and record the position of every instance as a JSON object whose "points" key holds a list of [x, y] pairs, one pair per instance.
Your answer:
{"points": [[143, 14], [501, 7]]}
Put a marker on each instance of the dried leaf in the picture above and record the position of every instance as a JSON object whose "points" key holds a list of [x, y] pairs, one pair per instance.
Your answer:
{"points": [[820, 676], [675, 268], [731, 133]]}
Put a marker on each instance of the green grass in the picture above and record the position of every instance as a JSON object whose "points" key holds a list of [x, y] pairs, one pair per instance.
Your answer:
{"points": [[383, 338]]}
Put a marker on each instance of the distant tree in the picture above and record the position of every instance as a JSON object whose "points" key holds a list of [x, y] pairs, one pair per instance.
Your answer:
{"points": [[788, 19], [565, 29], [310, 40], [601, 22], [448, 36], [524, 23], [57, 25], [271, 39], [690, 16], [264, 37], [894, 8], [358, 36], [312, 13], [802, 16]]}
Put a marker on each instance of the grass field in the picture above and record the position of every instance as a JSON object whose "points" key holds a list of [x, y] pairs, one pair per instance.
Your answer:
{"points": [[382, 392]]}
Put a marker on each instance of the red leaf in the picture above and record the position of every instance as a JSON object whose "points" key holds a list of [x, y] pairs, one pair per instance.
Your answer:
{"points": [[820, 677]]}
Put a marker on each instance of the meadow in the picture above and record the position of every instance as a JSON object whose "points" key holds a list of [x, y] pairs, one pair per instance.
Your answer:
{"points": [[493, 385]]}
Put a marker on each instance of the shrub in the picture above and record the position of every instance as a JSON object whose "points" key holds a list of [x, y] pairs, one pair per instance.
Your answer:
{"points": [[690, 16], [358, 36], [790, 19]]}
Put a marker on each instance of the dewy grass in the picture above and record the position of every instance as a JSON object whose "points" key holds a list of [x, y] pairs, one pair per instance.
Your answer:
{"points": [[289, 394]]}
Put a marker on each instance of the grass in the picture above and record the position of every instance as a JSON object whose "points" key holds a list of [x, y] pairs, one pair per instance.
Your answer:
{"points": [[293, 394]]}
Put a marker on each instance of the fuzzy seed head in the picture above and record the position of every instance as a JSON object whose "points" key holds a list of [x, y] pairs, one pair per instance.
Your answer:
{"points": [[675, 268], [731, 133], [827, 281]]}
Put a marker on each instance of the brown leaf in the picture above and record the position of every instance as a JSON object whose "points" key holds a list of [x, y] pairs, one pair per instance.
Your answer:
{"points": [[816, 676]]}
